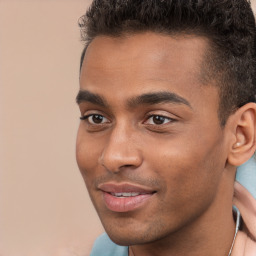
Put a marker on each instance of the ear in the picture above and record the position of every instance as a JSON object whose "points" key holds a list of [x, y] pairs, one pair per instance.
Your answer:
{"points": [[243, 139]]}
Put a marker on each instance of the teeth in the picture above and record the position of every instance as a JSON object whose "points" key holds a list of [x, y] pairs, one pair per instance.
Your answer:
{"points": [[124, 194]]}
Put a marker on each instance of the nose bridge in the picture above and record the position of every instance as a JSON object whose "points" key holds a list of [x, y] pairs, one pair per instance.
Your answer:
{"points": [[121, 149]]}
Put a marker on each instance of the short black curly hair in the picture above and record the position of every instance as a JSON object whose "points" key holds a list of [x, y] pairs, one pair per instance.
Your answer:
{"points": [[228, 24]]}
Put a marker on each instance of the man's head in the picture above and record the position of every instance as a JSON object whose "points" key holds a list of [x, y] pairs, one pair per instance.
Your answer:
{"points": [[156, 79]]}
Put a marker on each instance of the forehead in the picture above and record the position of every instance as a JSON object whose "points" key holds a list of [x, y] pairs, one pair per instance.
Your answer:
{"points": [[134, 64], [146, 50]]}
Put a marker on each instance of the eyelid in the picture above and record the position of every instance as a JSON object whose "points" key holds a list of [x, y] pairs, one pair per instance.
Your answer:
{"points": [[169, 119], [162, 113], [85, 113]]}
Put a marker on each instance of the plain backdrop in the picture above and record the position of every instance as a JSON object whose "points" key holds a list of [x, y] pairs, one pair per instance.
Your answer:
{"points": [[44, 206]]}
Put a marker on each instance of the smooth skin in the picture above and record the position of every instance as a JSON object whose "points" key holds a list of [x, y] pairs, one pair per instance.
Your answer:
{"points": [[171, 143]]}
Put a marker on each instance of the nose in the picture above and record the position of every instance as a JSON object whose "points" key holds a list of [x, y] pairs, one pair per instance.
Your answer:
{"points": [[121, 150]]}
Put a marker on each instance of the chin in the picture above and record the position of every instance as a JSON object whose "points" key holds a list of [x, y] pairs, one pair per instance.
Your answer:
{"points": [[123, 241], [122, 236], [126, 235], [127, 240]]}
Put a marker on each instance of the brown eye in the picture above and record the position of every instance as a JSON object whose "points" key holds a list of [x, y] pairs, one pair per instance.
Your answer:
{"points": [[158, 120], [95, 119]]}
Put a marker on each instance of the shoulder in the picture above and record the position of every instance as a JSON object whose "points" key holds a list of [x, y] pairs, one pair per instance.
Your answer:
{"points": [[244, 245], [105, 247], [245, 200]]}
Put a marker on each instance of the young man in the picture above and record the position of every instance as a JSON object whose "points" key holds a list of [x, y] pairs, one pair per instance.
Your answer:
{"points": [[167, 101]]}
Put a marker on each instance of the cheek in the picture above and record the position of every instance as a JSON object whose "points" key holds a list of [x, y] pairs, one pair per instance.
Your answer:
{"points": [[190, 172], [87, 153]]}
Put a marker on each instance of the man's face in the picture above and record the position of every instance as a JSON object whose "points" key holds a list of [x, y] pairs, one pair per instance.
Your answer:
{"points": [[150, 147]]}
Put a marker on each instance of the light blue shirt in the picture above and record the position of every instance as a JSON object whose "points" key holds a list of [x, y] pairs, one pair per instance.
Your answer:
{"points": [[103, 246], [246, 176]]}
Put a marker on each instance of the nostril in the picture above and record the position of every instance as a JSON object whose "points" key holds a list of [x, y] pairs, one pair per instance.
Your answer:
{"points": [[127, 166]]}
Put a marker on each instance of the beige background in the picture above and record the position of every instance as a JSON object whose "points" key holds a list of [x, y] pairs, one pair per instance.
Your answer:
{"points": [[44, 206]]}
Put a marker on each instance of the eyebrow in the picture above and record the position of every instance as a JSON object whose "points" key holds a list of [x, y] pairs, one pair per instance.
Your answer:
{"points": [[144, 99], [157, 98], [86, 96]]}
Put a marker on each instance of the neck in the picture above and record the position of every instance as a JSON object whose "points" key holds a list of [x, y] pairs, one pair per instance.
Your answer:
{"points": [[210, 234]]}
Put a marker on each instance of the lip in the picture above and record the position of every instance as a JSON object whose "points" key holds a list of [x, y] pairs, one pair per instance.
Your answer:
{"points": [[124, 187], [125, 204]]}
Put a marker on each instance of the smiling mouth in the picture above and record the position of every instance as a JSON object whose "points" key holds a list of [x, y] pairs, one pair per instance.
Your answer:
{"points": [[125, 197], [125, 202], [125, 194]]}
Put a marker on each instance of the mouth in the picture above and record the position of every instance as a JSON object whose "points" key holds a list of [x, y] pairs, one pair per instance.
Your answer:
{"points": [[125, 194], [125, 197]]}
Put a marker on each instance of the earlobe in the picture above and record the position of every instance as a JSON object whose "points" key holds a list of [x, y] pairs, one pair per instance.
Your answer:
{"points": [[243, 144]]}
